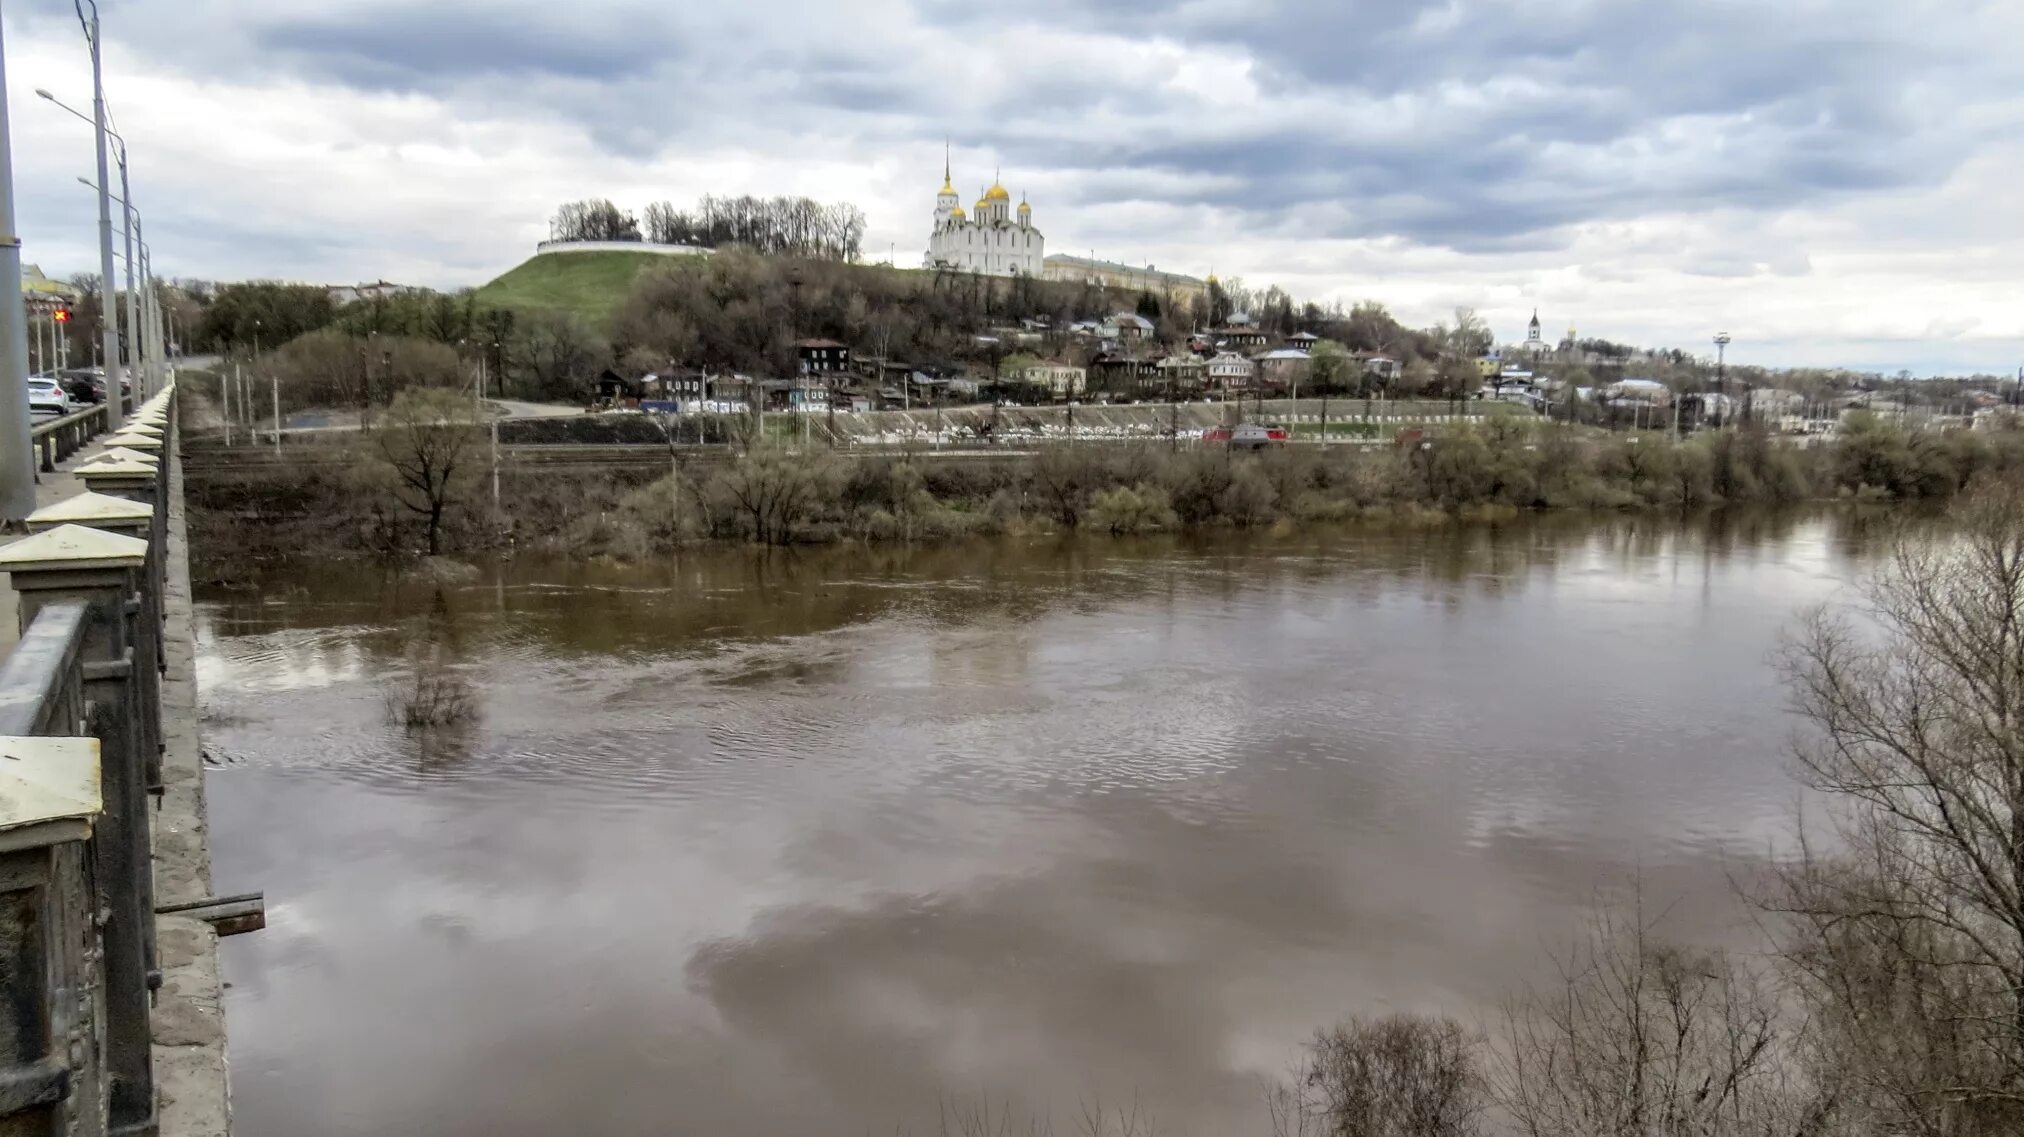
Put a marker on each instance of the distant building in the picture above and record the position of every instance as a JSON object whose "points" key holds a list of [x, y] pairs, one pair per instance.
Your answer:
{"points": [[42, 294], [822, 357], [1181, 289], [1239, 335], [992, 242], [1283, 368], [1534, 343], [1228, 371], [1127, 326], [1774, 401], [378, 290], [1379, 365], [1182, 374], [1124, 375], [1632, 393], [1063, 380]]}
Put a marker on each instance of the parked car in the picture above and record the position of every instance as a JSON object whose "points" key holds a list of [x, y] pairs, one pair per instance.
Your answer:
{"points": [[47, 399], [1246, 436], [82, 387]]}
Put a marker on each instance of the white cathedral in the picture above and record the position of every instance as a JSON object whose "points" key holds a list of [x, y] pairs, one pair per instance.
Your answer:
{"points": [[993, 242]]}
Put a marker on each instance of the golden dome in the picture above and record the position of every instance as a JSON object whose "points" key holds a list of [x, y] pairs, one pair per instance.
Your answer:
{"points": [[1025, 208], [997, 193], [956, 213]]}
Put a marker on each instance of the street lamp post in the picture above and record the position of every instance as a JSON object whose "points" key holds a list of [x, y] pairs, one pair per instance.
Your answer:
{"points": [[17, 449], [136, 343], [141, 353], [1721, 365], [108, 313]]}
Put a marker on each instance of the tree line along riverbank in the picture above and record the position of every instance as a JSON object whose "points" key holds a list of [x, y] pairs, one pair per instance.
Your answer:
{"points": [[421, 483]]}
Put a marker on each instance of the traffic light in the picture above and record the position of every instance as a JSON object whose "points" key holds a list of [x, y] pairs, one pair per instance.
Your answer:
{"points": [[63, 315]]}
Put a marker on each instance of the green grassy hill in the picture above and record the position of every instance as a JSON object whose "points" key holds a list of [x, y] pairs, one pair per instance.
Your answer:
{"points": [[591, 285]]}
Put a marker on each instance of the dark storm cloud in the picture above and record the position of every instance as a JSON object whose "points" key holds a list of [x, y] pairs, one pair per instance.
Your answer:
{"points": [[1588, 111], [428, 46], [1476, 124]]}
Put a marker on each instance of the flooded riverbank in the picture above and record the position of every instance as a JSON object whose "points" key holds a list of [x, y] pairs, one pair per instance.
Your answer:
{"points": [[809, 841]]}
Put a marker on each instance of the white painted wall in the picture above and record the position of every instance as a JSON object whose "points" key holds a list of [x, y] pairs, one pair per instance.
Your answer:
{"points": [[621, 247]]}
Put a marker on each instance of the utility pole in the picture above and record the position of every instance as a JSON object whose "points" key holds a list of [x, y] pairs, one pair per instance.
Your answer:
{"points": [[108, 324], [133, 297], [274, 384], [1721, 369], [495, 431], [17, 467]]}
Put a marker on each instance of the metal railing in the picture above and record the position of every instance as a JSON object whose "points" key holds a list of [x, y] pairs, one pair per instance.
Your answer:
{"points": [[77, 914], [59, 438]]}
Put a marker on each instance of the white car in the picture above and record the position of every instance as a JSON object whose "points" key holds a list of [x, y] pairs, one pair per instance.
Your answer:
{"points": [[47, 398]]}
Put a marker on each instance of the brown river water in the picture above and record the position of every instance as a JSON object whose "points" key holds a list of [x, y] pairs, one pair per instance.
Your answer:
{"points": [[816, 842]]}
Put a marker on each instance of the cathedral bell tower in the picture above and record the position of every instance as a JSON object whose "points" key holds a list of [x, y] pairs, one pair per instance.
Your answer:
{"points": [[947, 204]]}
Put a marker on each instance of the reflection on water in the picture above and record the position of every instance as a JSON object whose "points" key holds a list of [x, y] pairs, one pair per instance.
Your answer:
{"points": [[804, 842]]}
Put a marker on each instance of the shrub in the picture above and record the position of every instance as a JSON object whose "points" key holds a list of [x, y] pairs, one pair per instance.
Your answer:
{"points": [[1135, 509], [1249, 498], [433, 697], [768, 495]]}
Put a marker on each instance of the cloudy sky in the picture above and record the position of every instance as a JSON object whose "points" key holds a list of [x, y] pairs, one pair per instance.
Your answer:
{"points": [[1834, 182]]}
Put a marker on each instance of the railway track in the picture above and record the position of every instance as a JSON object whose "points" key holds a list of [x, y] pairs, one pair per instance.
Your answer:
{"points": [[208, 462]]}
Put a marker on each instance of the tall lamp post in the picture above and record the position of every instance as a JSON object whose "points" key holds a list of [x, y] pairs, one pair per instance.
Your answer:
{"points": [[1721, 361], [109, 314], [17, 450], [141, 354], [131, 233]]}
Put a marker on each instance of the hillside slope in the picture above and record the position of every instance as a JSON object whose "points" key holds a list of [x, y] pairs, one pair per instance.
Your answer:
{"points": [[590, 285]]}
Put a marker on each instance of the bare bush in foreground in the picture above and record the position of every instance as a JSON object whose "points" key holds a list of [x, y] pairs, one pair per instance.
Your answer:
{"points": [[1909, 939], [1398, 1076], [434, 696], [1639, 1037]]}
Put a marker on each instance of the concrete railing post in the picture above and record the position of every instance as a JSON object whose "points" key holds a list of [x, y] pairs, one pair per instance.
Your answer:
{"points": [[131, 519], [50, 1023], [104, 571], [135, 481], [136, 477]]}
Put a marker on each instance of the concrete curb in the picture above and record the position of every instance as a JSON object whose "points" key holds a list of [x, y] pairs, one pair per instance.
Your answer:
{"points": [[192, 1080]]}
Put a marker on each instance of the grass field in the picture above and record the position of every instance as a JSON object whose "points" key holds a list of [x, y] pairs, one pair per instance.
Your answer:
{"points": [[590, 285]]}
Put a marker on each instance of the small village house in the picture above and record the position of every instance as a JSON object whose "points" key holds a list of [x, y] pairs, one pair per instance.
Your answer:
{"points": [[1123, 376], [1061, 380], [1127, 327], [822, 357], [1229, 371], [1284, 368], [1182, 374]]}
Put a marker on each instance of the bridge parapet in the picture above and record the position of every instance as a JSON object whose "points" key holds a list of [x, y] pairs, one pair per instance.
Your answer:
{"points": [[82, 714]]}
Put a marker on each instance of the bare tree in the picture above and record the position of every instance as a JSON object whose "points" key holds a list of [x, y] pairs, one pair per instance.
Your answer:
{"points": [[593, 219], [428, 446], [770, 493], [1910, 939], [1398, 1076], [556, 356], [1643, 1038]]}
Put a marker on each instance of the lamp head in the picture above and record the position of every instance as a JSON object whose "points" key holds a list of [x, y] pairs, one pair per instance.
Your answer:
{"points": [[44, 93]]}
